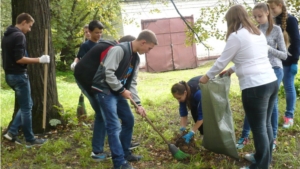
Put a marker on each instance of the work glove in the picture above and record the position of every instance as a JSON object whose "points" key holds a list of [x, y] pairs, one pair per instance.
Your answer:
{"points": [[294, 69], [73, 66], [188, 136], [44, 59], [182, 129]]}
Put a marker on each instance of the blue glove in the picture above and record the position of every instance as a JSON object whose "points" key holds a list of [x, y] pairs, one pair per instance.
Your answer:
{"points": [[182, 129], [188, 136], [294, 69]]}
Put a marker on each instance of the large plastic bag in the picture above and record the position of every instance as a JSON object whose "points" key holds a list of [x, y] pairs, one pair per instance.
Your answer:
{"points": [[219, 135]]}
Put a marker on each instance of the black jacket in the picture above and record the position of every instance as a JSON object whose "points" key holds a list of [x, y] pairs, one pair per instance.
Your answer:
{"points": [[13, 49], [293, 32], [86, 68]]}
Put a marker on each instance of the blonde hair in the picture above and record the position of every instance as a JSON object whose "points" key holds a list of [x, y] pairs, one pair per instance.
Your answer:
{"points": [[283, 20], [148, 36], [237, 16], [266, 8]]}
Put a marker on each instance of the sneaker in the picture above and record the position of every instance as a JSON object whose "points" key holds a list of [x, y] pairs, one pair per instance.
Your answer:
{"points": [[134, 145], [242, 142], [274, 145], [250, 157], [246, 167], [13, 138], [288, 122], [132, 158], [36, 142], [125, 166], [100, 156]]}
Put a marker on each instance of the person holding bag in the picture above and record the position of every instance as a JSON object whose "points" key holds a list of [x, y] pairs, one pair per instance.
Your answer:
{"points": [[247, 47]]}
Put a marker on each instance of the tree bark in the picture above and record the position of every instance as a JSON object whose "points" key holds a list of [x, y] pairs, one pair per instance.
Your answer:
{"points": [[40, 11]]}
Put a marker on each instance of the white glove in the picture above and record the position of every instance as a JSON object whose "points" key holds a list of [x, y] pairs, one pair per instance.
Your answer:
{"points": [[73, 66], [44, 59]]}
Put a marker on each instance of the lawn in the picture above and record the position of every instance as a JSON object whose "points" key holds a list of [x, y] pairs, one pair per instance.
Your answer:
{"points": [[71, 147]]}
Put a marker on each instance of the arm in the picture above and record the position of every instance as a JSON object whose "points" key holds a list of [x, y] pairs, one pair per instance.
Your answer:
{"points": [[183, 114], [26, 60], [82, 51], [199, 122], [133, 89], [293, 31], [281, 51], [231, 48], [111, 63]]}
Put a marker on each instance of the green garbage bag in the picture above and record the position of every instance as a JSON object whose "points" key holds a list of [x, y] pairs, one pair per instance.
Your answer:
{"points": [[219, 135]]}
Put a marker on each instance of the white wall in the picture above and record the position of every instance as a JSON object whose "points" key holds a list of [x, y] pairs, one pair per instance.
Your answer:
{"points": [[141, 10]]}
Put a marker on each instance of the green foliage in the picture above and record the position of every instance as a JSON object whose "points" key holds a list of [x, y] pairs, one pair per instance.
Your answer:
{"points": [[5, 18], [206, 26], [68, 19]]}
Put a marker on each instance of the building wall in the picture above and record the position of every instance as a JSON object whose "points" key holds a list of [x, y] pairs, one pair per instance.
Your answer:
{"points": [[142, 9]]}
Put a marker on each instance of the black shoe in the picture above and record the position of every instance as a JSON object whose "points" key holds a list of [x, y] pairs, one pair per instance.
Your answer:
{"points": [[125, 166], [132, 158], [13, 138], [134, 145]]}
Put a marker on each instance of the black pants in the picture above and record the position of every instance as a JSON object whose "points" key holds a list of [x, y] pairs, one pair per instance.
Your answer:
{"points": [[195, 117]]}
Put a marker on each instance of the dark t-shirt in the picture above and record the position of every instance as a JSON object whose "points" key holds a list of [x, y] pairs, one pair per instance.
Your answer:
{"points": [[84, 48], [87, 67]]}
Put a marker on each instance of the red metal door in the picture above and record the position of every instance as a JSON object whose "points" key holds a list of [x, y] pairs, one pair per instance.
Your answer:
{"points": [[171, 53]]}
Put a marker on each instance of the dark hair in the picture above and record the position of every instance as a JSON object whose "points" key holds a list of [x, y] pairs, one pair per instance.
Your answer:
{"points": [[24, 17], [95, 24], [180, 88], [127, 38], [283, 20], [266, 8], [237, 16]]}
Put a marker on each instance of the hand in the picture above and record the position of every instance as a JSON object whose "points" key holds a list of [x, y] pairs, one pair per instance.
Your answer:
{"points": [[182, 129], [294, 69], [188, 136], [126, 94], [140, 110], [44, 59], [228, 71], [73, 66], [204, 79]]}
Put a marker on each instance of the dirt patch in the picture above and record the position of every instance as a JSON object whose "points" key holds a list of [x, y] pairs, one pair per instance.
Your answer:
{"points": [[189, 148]]}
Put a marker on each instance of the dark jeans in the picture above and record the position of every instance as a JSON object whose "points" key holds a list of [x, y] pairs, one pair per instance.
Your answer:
{"points": [[99, 130], [116, 108], [21, 85], [274, 119], [258, 104]]}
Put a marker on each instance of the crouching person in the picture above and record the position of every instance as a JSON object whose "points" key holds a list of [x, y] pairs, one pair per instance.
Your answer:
{"points": [[114, 83], [189, 97]]}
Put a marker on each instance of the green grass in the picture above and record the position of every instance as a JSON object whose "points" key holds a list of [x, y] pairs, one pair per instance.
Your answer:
{"points": [[71, 147]]}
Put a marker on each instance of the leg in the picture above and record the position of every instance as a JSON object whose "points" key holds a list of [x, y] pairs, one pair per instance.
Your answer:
{"points": [[99, 130], [246, 128], [21, 85], [108, 105], [290, 91], [274, 119], [258, 103], [127, 118]]}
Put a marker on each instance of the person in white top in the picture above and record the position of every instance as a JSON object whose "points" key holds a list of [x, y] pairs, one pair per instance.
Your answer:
{"points": [[247, 48]]}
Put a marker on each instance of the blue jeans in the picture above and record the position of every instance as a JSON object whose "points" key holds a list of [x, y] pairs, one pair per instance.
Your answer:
{"points": [[274, 119], [119, 134], [258, 104], [290, 91], [99, 131], [21, 85]]}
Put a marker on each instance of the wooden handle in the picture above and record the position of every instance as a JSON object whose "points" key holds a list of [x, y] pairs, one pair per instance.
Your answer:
{"points": [[149, 121], [45, 80]]}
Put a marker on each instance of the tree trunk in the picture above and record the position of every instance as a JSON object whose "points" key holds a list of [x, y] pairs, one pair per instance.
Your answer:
{"points": [[40, 11]]}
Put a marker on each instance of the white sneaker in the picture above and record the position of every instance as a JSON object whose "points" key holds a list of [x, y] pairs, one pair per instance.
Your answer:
{"points": [[288, 122]]}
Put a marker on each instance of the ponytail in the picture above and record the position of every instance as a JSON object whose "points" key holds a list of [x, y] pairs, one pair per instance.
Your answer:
{"points": [[180, 88], [270, 20], [283, 26]]}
